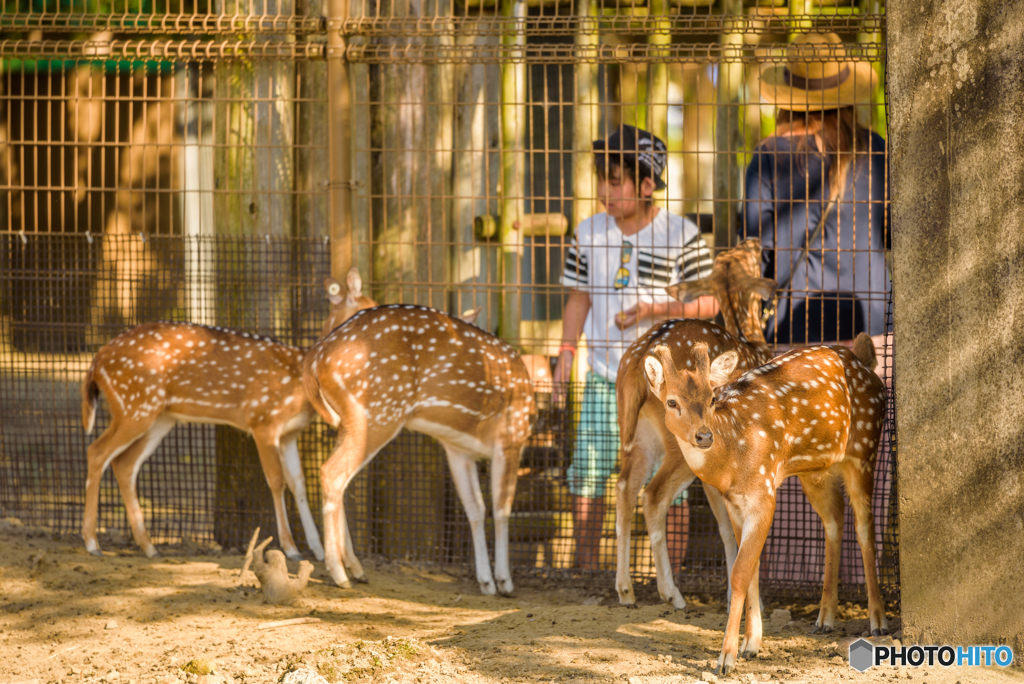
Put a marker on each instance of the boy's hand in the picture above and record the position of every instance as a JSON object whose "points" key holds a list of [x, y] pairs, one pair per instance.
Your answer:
{"points": [[560, 378], [630, 317]]}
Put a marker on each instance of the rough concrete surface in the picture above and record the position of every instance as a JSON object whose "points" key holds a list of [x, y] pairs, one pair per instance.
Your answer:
{"points": [[956, 98]]}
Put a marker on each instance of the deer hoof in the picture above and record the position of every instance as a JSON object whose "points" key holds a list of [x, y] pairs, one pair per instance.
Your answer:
{"points": [[821, 629], [880, 632], [361, 579], [344, 584], [94, 552], [505, 587], [151, 552], [488, 588], [293, 555], [725, 668]]}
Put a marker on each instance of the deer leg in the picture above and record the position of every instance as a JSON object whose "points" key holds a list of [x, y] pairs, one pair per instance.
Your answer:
{"points": [[751, 527], [271, 459], [467, 484], [672, 478], [637, 464], [349, 457], [126, 469], [752, 637], [118, 436], [859, 485], [725, 531], [296, 481], [504, 471], [827, 500]]}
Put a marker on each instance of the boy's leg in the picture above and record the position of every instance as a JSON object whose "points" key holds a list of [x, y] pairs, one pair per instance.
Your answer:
{"points": [[596, 450], [588, 517], [677, 529]]}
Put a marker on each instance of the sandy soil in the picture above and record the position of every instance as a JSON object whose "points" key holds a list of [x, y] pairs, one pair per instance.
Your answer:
{"points": [[66, 616]]}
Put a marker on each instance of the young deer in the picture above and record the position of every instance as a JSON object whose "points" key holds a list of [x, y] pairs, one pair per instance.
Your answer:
{"points": [[157, 375], [409, 366], [815, 413], [646, 441]]}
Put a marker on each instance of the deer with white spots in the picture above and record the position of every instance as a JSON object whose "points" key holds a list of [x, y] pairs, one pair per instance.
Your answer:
{"points": [[815, 413], [157, 375], [409, 366], [645, 440]]}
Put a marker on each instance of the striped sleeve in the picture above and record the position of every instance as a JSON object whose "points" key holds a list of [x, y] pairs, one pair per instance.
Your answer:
{"points": [[575, 273], [695, 261]]}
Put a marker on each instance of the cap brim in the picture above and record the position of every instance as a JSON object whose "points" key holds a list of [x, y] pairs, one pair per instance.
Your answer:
{"points": [[857, 89]]}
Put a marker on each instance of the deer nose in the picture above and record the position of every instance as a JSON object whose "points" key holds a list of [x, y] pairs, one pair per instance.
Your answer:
{"points": [[704, 438]]}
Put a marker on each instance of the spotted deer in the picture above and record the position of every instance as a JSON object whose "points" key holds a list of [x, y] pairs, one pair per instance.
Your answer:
{"points": [[158, 375], [409, 366], [815, 413], [645, 440]]}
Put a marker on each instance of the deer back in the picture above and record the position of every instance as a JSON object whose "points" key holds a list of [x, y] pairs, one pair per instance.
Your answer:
{"points": [[205, 374], [401, 363]]}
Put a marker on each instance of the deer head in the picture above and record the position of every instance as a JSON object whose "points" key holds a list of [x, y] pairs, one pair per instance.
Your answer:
{"points": [[344, 306], [688, 395], [736, 283]]}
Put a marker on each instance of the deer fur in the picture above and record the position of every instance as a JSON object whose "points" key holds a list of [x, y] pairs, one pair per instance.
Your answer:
{"points": [[157, 375]]}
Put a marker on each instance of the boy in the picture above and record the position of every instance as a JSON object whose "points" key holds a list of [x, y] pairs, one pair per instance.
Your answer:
{"points": [[617, 268]]}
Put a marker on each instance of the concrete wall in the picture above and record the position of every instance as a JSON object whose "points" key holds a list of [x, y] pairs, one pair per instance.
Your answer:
{"points": [[956, 89]]}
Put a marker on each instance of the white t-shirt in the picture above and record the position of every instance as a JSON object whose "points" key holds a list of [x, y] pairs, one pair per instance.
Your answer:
{"points": [[666, 251]]}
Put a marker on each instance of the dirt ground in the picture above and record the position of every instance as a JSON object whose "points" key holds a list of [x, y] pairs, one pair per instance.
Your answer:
{"points": [[66, 616]]}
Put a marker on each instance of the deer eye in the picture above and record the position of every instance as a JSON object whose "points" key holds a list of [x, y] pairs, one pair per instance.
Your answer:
{"points": [[672, 403]]}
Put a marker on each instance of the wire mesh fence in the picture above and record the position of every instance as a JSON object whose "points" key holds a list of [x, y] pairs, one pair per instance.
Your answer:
{"points": [[179, 161]]}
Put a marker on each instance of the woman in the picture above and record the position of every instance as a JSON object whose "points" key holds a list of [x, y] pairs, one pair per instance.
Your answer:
{"points": [[816, 195]]}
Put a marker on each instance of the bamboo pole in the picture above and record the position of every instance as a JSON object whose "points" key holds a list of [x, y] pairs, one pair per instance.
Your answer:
{"points": [[339, 141], [586, 114], [728, 136], [658, 70], [876, 116], [513, 158]]}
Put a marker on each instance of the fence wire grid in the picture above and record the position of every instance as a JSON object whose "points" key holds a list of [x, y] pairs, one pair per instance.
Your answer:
{"points": [[193, 161]]}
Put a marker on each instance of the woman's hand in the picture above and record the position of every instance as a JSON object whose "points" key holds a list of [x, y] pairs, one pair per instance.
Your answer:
{"points": [[563, 371], [630, 317]]}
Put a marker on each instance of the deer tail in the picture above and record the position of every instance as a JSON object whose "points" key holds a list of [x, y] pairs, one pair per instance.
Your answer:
{"points": [[631, 395], [311, 385], [864, 349], [90, 397]]}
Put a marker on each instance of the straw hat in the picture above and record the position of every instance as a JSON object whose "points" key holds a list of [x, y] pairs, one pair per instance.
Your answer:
{"points": [[818, 75]]}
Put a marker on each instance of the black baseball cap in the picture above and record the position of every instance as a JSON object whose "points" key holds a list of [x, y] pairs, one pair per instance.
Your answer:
{"points": [[636, 147]]}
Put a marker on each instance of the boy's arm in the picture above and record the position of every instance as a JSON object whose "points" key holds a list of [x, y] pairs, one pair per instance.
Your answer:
{"points": [[703, 307], [575, 315]]}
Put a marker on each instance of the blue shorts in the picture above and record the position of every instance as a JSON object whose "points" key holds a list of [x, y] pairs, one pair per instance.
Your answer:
{"points": [[597, 441]]}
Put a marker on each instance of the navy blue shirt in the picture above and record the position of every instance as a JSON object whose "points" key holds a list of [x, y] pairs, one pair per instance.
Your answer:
{"points": [[784, 203]]}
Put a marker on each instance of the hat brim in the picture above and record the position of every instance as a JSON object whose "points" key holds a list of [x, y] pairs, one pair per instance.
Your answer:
{"points": [[857, 89], [629, 158]]}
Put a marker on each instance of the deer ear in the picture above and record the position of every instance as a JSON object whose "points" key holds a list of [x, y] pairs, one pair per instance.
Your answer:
{"points": [[762, 287], [689, 290], [722, 367], [655, 373], [470, 315], [354, 283], [333, 289]]}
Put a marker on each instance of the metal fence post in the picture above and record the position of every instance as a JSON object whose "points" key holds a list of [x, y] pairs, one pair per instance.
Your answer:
{"points": [[339, 139]]}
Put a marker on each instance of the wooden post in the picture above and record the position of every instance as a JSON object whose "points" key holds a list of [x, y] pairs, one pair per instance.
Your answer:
{"points": [[513, 168], [586, 117], [728, 136], [474, 183], [339, 140]]}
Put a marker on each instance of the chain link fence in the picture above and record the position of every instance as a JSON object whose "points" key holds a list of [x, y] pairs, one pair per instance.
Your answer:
{"points": [[211, 162]]}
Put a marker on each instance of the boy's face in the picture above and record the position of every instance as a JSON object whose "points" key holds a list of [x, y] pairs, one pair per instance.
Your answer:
{"points": [[620, 195]]}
